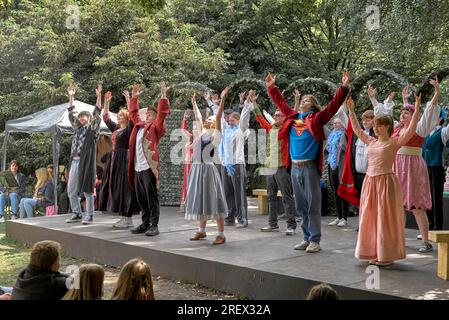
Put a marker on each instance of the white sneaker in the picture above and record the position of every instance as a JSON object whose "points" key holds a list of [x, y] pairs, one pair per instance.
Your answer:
{"points": [[302, 246], [342, 223], [118, 223], [313, 247], [125, 222], [290, 232], [2, 220], [334, 222]]}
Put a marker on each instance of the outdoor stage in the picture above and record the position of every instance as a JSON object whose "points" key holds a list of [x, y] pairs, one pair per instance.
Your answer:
{"points": [[251, 263]]}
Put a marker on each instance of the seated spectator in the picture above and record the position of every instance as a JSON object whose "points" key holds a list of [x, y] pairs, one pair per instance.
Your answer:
{"points": [[14, 192], [63, 198], [91, 277], [323, 291], [134, 282], [5, 293], [41, 280], [43, 194]]}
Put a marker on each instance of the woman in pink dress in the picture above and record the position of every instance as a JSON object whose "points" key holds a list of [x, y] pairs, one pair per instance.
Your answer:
{"points": [[410, 167], [381, 228]]}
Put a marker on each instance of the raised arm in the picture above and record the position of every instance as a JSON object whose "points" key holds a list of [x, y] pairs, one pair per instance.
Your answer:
{"points": [[323, 117], [96, 119], [106, 118], [246, 112], [268, 116], [163, 108], [242, 99], [297, 96], [217, 131], [385, 108], [355, 123], [431, 113], [260, 118], [72, 114], [197, 113], [405, 94], [134, 105], [277, 97], [411, 130], [372, 95]]}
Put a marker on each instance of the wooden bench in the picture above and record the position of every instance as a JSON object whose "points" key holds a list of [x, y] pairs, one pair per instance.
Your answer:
{"points": [[442, 238], [262, 199]]}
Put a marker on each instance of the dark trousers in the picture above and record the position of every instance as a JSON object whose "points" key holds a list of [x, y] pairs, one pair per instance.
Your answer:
{"points": [[280, 180], [146, 196], [235, 192], [342, 205], [435, 215]]}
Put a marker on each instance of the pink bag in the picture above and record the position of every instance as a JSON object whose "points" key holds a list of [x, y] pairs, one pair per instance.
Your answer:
{"points": [[50, 210]]}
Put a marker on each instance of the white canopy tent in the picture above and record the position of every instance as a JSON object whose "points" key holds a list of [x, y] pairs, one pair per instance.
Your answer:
{"points": [[53, 120]]}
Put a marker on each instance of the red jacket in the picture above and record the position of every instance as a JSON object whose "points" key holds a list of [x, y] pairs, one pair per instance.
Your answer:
{"points": [[314, 121], [153, 133]]}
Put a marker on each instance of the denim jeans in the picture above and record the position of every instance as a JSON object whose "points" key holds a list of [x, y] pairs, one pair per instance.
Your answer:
{"points": [[72, 190], [27, 207], [306, 187], [14, 202]]}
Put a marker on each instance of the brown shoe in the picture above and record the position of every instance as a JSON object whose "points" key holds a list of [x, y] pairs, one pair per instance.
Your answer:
{"points": [[219, 240], [198, 236]]}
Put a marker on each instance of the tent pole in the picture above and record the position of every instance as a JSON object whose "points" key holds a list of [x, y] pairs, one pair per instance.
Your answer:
{"points": [[5, 147], [55, 147]]}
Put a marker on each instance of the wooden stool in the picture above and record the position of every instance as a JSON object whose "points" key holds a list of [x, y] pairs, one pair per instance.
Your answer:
{"points": [[262, 199], [442, 238]]}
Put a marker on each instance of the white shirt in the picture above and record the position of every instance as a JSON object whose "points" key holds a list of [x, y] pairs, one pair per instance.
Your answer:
{"points": [[361, 155], [140, 162]]}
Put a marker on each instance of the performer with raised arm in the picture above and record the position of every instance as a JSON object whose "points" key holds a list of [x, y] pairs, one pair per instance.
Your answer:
{"points": [[205, 195], [143, 165], [278, 177], [187, 160], [82, 156], [120, 197], [305, 134], [381, 227], [409, 164]]}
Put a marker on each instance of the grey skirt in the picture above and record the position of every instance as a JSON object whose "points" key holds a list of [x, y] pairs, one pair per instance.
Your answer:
{"points": [[205, 193]]}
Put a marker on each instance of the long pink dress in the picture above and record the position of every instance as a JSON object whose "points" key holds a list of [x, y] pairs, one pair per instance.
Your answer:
{"points": [[381, 226]]}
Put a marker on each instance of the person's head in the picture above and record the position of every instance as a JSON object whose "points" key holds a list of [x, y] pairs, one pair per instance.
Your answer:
{"points": [[309, 103], [210, 123], [442, 117], [323, 291], [234, 119], [383, 126], [367, 119], [50, 171], [337, 124], [91, 277], [406, 114], [45, 255], [14, 166], [42, 177], [151, 114], [278, 117], [123, 117], [226, 114], [134, 282], [84, 117]]}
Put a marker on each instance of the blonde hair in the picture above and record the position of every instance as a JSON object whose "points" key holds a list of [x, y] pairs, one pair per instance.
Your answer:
{"points": [[124, 112], [134, 282], [91, 279], [42, 177]]}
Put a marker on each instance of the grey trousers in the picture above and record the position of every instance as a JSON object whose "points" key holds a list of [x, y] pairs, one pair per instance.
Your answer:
{"points": [[280, 180], [235, 192]]}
